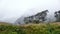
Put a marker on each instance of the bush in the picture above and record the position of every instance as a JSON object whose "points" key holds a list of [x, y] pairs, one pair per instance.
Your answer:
{"points": [[56, 32]]}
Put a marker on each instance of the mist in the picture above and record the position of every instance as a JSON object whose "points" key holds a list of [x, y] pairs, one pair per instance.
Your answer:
{"points": [[11, 10]]}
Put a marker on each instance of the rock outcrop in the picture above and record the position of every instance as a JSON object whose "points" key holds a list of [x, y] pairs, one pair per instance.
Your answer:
{"points": [[37, 18]]}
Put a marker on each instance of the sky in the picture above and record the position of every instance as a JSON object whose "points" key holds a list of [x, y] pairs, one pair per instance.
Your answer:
{"points": [[10, 10]]}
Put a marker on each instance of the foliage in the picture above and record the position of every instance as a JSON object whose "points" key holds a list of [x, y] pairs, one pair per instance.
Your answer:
{"points": [[42, 28]]}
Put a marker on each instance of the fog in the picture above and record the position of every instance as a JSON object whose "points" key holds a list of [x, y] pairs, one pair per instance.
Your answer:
{"points": [[10, 10]]}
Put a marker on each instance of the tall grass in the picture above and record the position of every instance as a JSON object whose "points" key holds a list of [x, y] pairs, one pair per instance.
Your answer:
{"points": [[42, 28]]}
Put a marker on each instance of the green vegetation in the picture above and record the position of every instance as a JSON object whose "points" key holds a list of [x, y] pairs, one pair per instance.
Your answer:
{"points": [[42, 28]]}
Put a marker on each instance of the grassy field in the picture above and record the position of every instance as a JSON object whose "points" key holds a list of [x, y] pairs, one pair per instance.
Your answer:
{"points": [[42, 28]]}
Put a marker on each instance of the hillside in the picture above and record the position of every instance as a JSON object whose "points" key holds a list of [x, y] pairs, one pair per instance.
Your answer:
{"points": [[42, 28], [5, 23]]}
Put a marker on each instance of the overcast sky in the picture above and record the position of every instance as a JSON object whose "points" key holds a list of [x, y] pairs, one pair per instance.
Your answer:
{"points": [[11, 9]]}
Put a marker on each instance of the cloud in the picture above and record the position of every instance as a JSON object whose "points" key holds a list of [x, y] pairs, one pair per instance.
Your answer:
{"points": [[16, 8]]}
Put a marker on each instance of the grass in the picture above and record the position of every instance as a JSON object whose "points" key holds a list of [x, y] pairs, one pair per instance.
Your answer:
{"points": [[42, 28]]}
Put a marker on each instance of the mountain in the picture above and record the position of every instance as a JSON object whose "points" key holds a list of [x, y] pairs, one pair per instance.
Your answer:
{"points": [[26, 14], [31, 17]]}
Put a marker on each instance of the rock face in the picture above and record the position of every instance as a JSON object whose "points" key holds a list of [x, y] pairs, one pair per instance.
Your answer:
{"points": [[57, 16], [37, 18]]}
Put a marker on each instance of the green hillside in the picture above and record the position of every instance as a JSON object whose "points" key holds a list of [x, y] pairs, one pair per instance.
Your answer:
{"points": [[42, 28]]}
